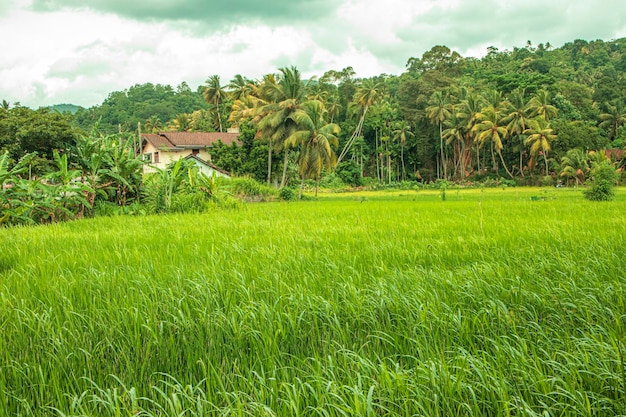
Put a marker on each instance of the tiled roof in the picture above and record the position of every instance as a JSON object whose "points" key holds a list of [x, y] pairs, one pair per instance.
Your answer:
{"points": [[158, 141], [191, 139]]}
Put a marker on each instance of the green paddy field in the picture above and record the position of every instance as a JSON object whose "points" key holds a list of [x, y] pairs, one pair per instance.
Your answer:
{"points": [[494, 302]]}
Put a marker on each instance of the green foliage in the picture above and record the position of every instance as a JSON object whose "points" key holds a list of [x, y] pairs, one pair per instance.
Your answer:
{"points": [[287, 193], [350, 173], [24, 131], [603, 181], [249, 189], [124, 109]]}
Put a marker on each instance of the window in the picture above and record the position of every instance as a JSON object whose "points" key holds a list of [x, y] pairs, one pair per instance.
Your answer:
{"points": [[147, 157], [156, 157]]}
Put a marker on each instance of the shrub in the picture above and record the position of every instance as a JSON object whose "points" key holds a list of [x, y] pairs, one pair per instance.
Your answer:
{"points": [[287, 193], [250, 189], [547, 181], [350, 173], [604, 178]]}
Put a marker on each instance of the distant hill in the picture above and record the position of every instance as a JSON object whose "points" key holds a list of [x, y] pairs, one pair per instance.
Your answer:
{"points": [[65, 108]]}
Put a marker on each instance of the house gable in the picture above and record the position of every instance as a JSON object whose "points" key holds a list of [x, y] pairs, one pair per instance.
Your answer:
{"points": [[160, 149]]}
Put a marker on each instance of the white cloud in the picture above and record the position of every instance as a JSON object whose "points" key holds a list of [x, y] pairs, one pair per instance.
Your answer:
{"points": [[80, 56]]}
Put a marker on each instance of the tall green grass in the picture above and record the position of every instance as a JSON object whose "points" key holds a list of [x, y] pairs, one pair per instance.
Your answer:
{"points": [[488, 303]]}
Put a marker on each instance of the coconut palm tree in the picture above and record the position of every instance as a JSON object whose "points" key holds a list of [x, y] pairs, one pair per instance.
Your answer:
{"points": [[368, 93], [454, 134], [539, 137], [539, 106], [575, 164], [283, 96], [153, 124], [518, 117], [240, 87], [613, 118], [401, 133], [492, 128], [316, 139], [214, 94], [181, 123], [468, 111], [438, 111]]}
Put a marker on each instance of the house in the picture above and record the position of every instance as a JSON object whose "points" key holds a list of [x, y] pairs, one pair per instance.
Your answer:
{"points": [[161, 149]]}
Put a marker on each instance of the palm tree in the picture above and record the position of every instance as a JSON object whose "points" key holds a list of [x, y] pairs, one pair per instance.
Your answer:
{"points": [[240, 87], [153, 124], [492, 128], [454, 134], [181, 123], [283, 96], [613, 118], [539, 106], [214, 94], [539, 137], [368, 93], [316, 139], [468, 111], [517, 119], [402, 131], [333, 107], [575, 164], [437, 112]]}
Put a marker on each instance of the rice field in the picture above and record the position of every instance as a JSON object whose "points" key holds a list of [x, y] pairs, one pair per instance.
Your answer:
{"points": [[496, 302]]}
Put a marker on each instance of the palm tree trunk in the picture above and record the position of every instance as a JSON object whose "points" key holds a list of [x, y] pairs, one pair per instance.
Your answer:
{"points": [[285, 161], [219, 116], [504, 165], [545, 158], [269, 164], [402, 159], [521, 158], [357, 132], [301, 188], [443, 156], [377, 162]]}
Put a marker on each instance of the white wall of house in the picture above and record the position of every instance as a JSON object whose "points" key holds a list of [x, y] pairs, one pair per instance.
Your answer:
{"points": [[208, 171], [161, 158]]}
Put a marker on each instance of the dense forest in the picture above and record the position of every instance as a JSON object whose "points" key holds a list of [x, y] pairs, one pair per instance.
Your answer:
{"points": [[534, 115]]}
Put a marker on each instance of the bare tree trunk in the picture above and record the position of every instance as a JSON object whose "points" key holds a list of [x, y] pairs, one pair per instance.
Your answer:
{"points": [[521, 158], [377, 167], [269, 164], [285, 161], [443, 155], [402, 159], [504, 165], [301, 188]]}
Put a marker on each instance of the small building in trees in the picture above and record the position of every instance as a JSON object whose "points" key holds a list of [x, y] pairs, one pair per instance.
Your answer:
{"points": [[161, 149]]}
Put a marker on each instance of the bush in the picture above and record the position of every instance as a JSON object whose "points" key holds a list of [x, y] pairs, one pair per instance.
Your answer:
{"points": [[350, 173], [189, 202], [249, 189], [287, 194], [604, 178], [547, 181]]}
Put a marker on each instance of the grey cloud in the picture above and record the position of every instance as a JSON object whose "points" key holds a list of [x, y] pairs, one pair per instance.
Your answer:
{"points": [[214, 13], [504, 24]]}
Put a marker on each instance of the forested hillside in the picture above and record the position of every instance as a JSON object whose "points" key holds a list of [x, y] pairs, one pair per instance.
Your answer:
{"points": [[531, 114]]}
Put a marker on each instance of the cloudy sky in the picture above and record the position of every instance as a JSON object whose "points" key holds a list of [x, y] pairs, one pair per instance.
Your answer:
{"points": [[78, 51]]}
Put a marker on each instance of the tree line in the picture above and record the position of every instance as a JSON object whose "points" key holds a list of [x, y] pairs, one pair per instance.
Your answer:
{"points": [[534, 114]]}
